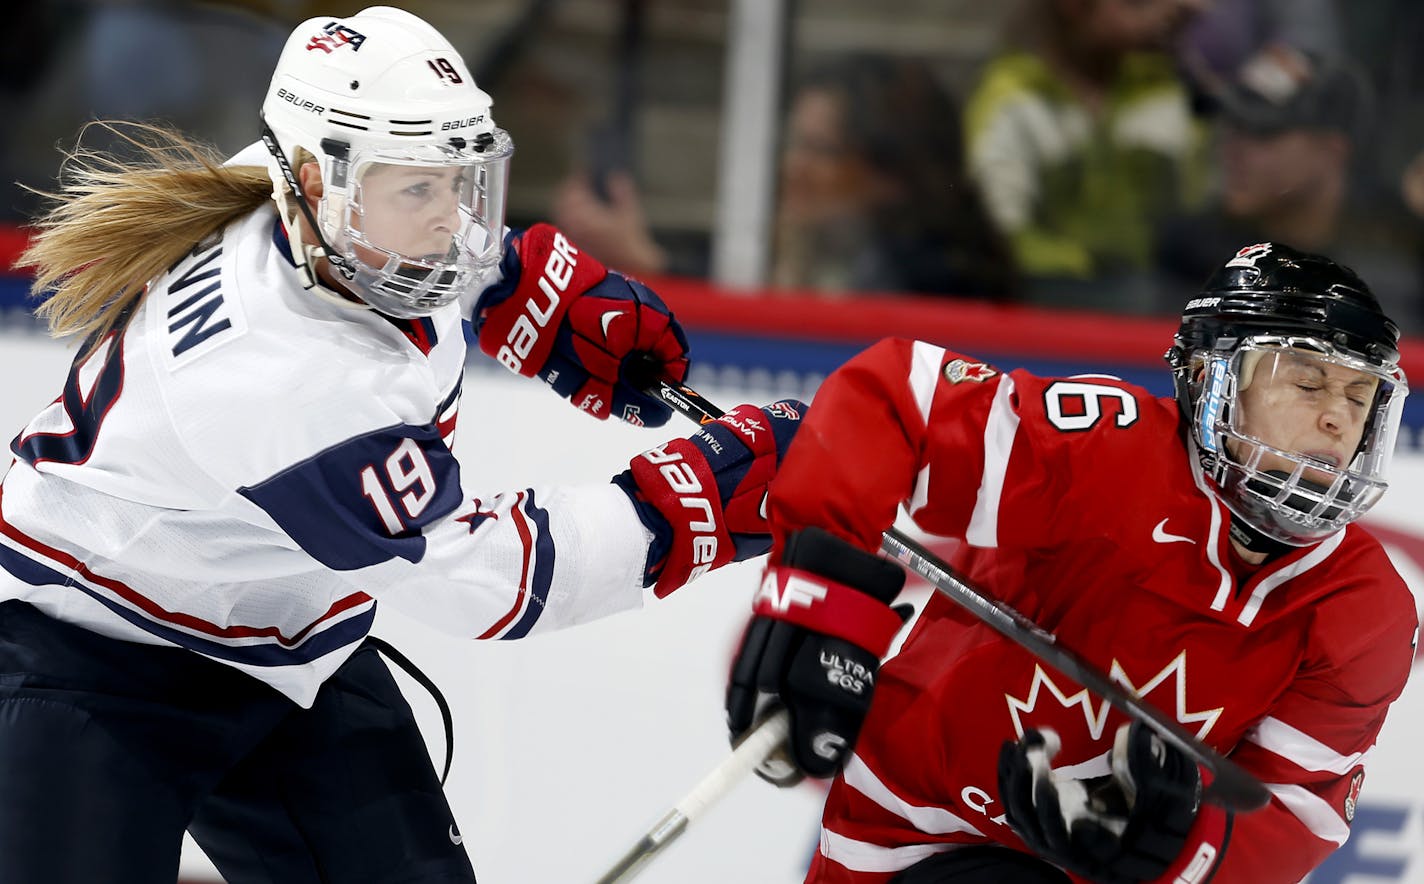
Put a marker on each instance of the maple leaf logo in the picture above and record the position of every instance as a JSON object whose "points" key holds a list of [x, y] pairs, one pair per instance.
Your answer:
{"points": [[1094, 711], [1177, 671], [1094, 718]]}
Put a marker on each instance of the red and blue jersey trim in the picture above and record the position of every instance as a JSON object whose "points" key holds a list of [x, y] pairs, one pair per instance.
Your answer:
{"points": [[38, 564], [531, 522]]}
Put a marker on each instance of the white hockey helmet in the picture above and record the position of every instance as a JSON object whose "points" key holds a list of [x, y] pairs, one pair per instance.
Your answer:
{"points": [[413, 168]]}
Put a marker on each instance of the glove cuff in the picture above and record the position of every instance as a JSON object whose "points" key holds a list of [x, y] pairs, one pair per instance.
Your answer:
{"points": [[653, 521], [825, 606], [823, 553], [678, 482], [1204, 848], [549, 272]]}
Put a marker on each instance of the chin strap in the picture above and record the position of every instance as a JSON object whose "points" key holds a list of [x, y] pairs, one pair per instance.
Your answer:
{"points": [[1253, 540], [306, 256]]}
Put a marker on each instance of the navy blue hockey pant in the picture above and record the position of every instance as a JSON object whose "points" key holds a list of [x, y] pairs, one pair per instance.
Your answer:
{"points": [[109, 750]]}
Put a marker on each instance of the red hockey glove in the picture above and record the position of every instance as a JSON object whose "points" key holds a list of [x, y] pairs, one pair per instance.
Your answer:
{"points": [[1143, 822], [704, 498], [822, 622], [580, 327]]}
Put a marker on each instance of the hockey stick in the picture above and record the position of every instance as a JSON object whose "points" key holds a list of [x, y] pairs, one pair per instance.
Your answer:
{"points": [[753, 750], [1231, 788]]}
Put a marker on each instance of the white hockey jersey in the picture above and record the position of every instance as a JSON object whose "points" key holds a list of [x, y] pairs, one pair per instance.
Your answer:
{"points": [[249, 468]]}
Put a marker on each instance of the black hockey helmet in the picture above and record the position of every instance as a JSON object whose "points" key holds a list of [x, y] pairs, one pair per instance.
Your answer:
{"points": [[1270, 299], [1272, 287]]}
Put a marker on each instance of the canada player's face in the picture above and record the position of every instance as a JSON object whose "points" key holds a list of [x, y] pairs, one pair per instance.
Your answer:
{"points": [[410, 210], [1296, 402]]}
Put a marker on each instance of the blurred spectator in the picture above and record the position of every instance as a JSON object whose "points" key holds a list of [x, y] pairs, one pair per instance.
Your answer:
{"points": [[1386, 36], [1226, 34], [873, 193], [1290, 126], [616, 229], [33, 37], [198, 67], [1411, 185], [1082, 138], [1411, 191]]}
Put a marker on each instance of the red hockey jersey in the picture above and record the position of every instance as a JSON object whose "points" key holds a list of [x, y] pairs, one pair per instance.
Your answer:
{"points": [[1081, 506]]}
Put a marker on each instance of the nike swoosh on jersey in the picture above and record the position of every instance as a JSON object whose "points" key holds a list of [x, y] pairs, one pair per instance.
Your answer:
{"points": [[1159, 534], [456, 837], [608, 318]]}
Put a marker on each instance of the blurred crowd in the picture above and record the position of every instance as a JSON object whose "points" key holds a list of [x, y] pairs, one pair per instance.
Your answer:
{"points": [[1091, 153]]}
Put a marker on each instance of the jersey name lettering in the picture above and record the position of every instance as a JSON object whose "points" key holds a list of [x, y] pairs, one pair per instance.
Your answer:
{"points": [[194, 315]]}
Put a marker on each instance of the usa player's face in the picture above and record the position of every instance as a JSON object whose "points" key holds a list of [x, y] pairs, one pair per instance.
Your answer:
{"points": [[410, 210], [1301, 404]]}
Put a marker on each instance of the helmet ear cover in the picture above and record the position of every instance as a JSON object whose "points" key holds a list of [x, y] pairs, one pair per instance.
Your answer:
{"points": [[291, 198], [1270, 297]]}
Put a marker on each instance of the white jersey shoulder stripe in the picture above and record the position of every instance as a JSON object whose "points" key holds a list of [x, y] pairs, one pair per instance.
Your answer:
{"points": [[1303, 750], [1314, 812], [930, 820], [925, 361], [860, 856], [999, 433]]}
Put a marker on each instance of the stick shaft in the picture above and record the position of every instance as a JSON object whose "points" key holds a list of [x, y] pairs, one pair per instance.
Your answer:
{"points": [[752, 750], [1232, 787]]}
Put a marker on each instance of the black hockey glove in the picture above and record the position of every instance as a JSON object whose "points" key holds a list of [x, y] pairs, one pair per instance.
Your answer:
{"points": [[822, 622], [1129, 826]]}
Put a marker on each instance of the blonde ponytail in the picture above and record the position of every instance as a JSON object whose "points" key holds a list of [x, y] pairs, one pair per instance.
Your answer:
{"points": [[116, 223]]}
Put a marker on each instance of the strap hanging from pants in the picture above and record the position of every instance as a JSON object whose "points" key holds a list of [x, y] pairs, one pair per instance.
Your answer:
{"points": [[426, 682]]}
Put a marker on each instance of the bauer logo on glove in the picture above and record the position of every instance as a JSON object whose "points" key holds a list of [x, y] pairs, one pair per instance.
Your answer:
{"points": [[704, 498], [592, 334]]}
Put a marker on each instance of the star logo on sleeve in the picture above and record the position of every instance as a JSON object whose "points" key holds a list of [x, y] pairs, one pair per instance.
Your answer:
{"points": [[963, 370], [1352, 798], [478, 516]]}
